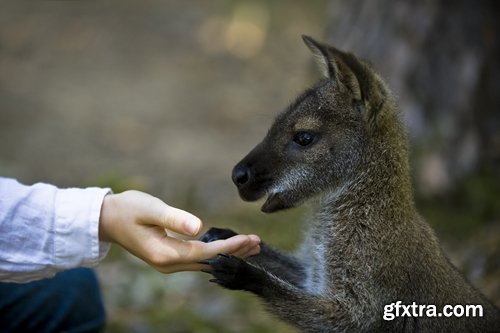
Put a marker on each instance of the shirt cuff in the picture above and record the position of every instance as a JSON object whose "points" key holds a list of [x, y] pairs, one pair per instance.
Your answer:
{"points": [[76, 227]]}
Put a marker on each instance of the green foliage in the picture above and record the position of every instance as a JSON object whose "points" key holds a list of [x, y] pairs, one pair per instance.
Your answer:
{"points": [[119, 182], [473, 203]]}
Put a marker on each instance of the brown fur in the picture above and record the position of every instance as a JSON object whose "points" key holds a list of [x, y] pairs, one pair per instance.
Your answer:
{"points": [[366, 245]]}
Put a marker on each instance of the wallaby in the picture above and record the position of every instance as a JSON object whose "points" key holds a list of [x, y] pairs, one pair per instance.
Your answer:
{"points": [[341, 147]]}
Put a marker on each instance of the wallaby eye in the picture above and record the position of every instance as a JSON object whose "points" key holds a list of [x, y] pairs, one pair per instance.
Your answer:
{"points": [[303, 138]]}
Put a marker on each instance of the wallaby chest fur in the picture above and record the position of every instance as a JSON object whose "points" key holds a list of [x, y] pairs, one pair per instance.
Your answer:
{"points": [[342, 148]]}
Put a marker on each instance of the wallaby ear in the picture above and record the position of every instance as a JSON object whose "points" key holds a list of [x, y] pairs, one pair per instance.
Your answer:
{"points": [[366, 85], [332, 63], [354, 74], [321, 55]]}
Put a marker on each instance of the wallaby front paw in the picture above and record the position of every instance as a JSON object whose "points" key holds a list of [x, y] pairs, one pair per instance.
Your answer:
{"points": [[234, 273], [214, 234]]}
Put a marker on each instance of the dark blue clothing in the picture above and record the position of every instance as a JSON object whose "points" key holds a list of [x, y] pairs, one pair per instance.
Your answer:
{"points": [[69, 302]]}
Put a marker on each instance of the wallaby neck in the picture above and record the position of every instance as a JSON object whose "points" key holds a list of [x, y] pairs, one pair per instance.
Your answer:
{"points": [[381, 188]]}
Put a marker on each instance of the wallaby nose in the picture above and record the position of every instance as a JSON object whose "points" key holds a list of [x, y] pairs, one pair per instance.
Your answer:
{"points": [[241, 175]]}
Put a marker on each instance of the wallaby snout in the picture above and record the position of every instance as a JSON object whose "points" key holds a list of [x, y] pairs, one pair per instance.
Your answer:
{"points": [[247, 179], [241, 175], [254, 175]]}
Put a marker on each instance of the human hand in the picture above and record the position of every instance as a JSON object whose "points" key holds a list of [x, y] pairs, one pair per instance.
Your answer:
{"points": [[139, 223]]}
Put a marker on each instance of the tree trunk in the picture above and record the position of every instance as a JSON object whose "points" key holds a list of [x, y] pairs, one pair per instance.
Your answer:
{"points": [[441, 58]]}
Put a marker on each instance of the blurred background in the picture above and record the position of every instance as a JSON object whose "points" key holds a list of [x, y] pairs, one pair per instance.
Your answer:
{"points": [[166, 97]]}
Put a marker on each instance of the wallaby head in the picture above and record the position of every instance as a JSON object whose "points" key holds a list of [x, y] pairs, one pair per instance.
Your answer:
{"points": [[319, 142]]}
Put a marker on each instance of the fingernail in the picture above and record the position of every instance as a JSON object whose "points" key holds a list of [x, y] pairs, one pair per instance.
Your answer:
{"points": [[193, 226], [254, 251], [255, 238]]}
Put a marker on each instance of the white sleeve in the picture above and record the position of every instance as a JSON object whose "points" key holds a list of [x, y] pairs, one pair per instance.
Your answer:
{"points": [[44, 229]]}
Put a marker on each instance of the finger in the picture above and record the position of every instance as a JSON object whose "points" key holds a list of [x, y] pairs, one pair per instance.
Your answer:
{"points": [[168, 254], [168, 217], [238, 245], [180, 221], [255, 241], [180, 268], [248, 251], [253, 247], [194, 251], [243, 251], [254, 251]]}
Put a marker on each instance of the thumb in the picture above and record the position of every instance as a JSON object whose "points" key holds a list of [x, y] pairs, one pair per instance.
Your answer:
{"points": [[168, 217], [180, 221]]}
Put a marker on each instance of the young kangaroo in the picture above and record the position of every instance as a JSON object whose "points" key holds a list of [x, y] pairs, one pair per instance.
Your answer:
{"points": [[341, 147]]}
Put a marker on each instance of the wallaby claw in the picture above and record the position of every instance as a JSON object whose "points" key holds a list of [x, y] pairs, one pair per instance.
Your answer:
{"points": [[209, 271], [204, 262], [233, 273]]}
